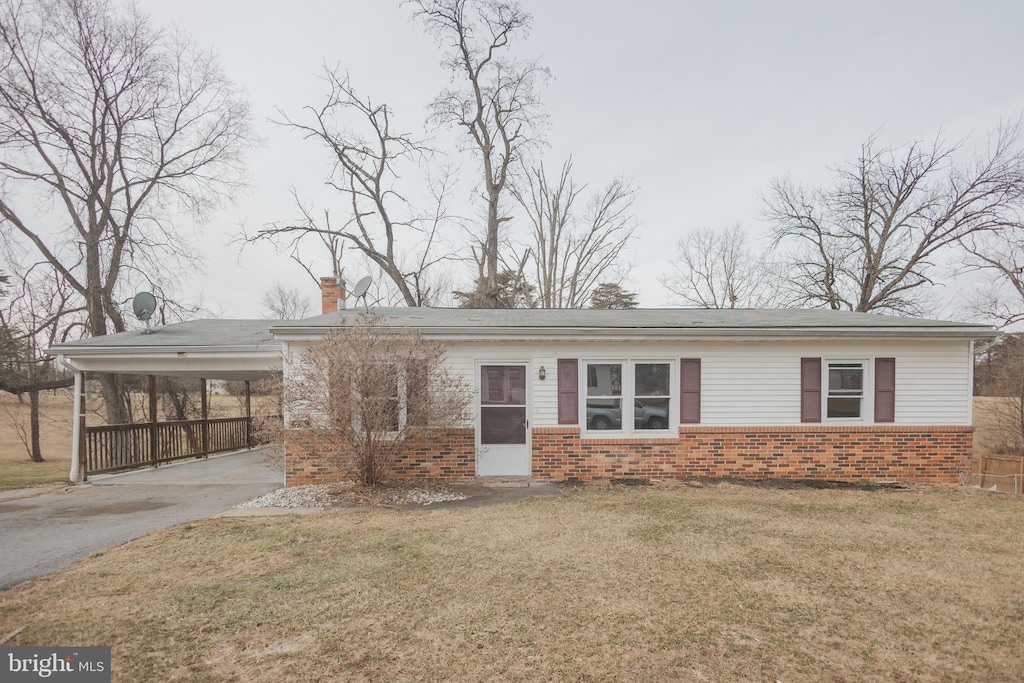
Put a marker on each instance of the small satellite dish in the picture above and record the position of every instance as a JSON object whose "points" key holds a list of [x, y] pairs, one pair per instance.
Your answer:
{"points": [[144, 305], [361, 287]]}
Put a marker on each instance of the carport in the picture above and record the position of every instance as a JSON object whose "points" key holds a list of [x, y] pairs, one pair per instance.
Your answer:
{"points": [[242, 350]]}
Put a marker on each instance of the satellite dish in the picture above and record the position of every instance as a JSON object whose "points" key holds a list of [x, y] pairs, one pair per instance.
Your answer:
{"points": [[361, 287], [144, 305]]}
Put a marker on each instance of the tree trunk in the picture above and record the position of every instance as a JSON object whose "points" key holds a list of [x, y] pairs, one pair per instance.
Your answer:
{"points": [[36, 453], [493, 291]]}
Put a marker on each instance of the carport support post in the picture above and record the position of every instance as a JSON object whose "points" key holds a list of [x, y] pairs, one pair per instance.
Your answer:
{"points": [[204, 428], [152, 420], [78, 431], [249, 419]]}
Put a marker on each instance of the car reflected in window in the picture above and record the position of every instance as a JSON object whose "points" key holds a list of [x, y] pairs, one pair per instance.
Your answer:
{"points": [[605, 414]]}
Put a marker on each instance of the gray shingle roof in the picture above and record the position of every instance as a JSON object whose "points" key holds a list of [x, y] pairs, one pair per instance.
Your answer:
{"points": [[250, 334], [257, 334], [664, 318]]}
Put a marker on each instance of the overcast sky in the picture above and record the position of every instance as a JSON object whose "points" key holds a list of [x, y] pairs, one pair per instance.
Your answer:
{"points": [[701, 104]]}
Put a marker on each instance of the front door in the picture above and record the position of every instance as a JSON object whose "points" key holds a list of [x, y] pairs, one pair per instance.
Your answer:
{"points": [[503, 435]]}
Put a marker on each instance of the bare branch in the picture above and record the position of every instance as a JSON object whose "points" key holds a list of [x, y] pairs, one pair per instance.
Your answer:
{"points": [[406, 245], [358, 398], [497, 106], [286, 303], [574, 251], [110, 122], [871, 241], [717, 269]]}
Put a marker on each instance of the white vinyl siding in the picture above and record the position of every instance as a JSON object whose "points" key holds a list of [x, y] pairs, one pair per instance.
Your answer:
{"points": [[762, 385], [753, 383], [758, 383]]}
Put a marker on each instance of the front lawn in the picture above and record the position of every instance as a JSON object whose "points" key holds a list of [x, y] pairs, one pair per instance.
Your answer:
{"points": [[717, 582]]}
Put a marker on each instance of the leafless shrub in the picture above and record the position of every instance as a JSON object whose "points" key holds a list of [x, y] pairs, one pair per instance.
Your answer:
{"points": [[359, 396]]}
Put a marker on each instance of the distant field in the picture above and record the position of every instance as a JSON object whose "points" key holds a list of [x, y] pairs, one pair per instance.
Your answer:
{"points": [[16, 470]]}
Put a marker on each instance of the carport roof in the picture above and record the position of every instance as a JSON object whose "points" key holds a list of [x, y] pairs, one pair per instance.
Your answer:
{"points": [[219, 333], [214, 349]]}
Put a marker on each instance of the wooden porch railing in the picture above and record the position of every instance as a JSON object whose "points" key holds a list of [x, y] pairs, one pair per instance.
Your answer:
{"points": [[113, 448]]}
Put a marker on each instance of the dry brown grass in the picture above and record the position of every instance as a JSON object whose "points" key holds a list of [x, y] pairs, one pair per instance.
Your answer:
{"points": [[16, 469], [722, 582], [991, 425]]}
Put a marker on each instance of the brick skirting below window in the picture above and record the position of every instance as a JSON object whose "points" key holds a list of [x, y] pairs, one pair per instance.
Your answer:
{"points": [[882, 453], [447, 455]]}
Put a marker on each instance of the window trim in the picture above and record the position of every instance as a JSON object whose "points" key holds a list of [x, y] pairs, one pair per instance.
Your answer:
{"points": [[403, 405], [628, 397], [866, 390]]}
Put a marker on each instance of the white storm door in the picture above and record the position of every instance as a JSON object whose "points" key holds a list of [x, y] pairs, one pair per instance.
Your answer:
{"points": [[503, 427]]}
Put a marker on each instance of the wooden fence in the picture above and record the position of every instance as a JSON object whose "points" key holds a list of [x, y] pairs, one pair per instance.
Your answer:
{"points": [[113, 448], [1001, 473]]}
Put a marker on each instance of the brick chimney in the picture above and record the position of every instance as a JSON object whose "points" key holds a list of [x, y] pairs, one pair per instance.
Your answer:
{"points": [[332, 294]]}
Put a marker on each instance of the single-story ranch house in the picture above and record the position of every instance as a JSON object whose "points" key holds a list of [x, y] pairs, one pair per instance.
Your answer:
{"points": [[652, 393]]}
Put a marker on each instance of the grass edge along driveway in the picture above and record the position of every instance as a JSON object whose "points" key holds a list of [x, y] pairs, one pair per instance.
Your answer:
{"points": [[716, 582]]}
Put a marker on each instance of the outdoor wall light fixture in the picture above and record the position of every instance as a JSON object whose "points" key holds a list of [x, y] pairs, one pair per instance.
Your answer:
{"points": [[543, 373]]}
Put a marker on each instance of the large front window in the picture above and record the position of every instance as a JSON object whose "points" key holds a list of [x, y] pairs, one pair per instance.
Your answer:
{"points": [[845, 390], [644, 387]]}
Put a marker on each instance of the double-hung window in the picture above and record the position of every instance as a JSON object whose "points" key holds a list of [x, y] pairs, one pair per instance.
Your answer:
{"points": [[651, 395], [604, 396], [845, 398], [388, 396], [628, 397]]}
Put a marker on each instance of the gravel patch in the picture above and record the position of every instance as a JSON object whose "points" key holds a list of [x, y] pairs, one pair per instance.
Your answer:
{"points": [[350, 494]]}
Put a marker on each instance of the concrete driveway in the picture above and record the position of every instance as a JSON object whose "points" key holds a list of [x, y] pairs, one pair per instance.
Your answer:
{"points": [[44, 530]]}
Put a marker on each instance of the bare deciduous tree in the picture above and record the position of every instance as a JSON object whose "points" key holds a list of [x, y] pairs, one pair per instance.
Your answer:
{"points": [[497, 106], [404, 244], [39, 312], [572, 253], [718, 269], [870, 242], [281, 302], [359, 396], [1000, 256], [109, 122]]}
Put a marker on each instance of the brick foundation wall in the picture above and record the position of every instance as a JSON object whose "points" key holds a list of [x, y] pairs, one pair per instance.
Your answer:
{"points": [[449, 454], [883, 453]]}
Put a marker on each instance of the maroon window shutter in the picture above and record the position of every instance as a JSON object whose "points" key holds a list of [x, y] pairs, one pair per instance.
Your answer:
{"points": [[810, 390], [689, 390], [885, 390], [568, 391]]}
